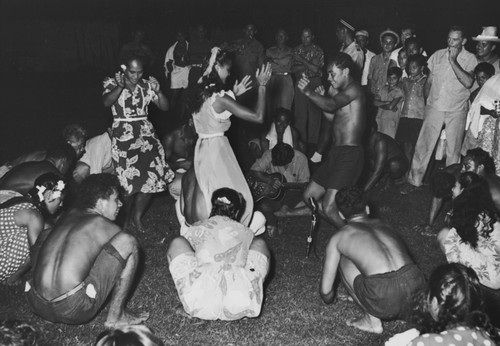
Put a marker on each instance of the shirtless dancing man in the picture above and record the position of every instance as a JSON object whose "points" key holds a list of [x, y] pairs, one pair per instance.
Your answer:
{"points": [[374, 264], [345, 105], [84, 258]]}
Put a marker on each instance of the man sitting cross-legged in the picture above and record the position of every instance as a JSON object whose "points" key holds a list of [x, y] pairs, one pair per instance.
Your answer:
{"points": [[290, 163], [217, 265], [85, 257], [374, 264]]}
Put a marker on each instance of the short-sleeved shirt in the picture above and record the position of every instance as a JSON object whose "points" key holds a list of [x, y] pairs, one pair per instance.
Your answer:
{"points": [[377, 73], [310, 53], [447, 94], [131, 104], [414, 105], [98, 153], [356, 53], [460, 336], [368, 58], [280, 59], [484, 259], [388, 95], [296, 171]]}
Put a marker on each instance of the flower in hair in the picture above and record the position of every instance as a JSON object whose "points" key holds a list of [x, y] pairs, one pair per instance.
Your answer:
{"points": [[211, 62], [223, 200], [41, 189], [57, 191]]}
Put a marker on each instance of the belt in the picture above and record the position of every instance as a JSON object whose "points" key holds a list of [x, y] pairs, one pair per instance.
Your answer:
{"points": [[72, 291], [281, 73], [131, 119], [210, 135]]}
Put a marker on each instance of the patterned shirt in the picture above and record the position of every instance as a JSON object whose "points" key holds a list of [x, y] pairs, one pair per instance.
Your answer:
{"points": [[484, 259], [131, 104], [447, 93], [280, 59], [413, 89], [311, 53]]}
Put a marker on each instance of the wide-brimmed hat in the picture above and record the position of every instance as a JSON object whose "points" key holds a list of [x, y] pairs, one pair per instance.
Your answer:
{"points": [[390, 32], [489, 34]]}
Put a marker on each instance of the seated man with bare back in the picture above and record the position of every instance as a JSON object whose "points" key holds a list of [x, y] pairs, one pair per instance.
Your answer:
{"points": [[84, 258], [345, 104], [374, 263]]}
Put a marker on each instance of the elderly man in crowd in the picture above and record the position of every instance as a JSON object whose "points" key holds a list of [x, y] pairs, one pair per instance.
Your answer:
{"points": [[447, 93]]}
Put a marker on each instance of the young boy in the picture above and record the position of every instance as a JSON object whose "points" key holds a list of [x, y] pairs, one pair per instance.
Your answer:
{"points": [[389, 100], [402, 62], [412, 114], [380, 63], [482, 73]]}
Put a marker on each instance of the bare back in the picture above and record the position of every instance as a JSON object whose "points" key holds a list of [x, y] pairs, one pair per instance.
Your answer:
{"points": [[349, 121], [373, 247], [69, 252]]}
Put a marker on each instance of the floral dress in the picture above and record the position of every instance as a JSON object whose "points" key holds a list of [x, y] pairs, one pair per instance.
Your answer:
{"points": [[138, 156], [484, 259]]}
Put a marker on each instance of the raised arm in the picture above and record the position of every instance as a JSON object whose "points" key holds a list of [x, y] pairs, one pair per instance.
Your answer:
{"points": [[226, 103], [464, 77], [110, 97], [327, 103], [161, 102]]}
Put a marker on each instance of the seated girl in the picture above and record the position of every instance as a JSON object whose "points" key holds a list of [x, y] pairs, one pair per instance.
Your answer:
{"points": [[22, 219], [217, 265]]}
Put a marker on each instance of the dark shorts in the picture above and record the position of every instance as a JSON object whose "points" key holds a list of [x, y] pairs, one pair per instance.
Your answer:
{"points": [[387, 296], [342, 167], [408, 130], [77, 306]]}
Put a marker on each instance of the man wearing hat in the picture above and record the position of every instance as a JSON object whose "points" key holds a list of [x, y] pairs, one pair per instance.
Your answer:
{"points": [[485, 47], [362, 37], [447, 91], [377, 73], [345, 35]]}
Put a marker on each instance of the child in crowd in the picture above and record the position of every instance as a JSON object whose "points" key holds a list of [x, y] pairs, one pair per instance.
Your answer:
{"points": [[402, 62], [412, 114], [482, 73], [380, 63], [413, 46], [389, 100]]}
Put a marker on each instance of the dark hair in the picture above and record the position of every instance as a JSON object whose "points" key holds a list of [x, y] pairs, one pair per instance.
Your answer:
{"points": [[458, 293], [418, 58], [343, 61], [351, 201], [134, 54], [411, 40], [210, 84], [458, 28], [283, 111], [473, 209], [394, 71], [485, 67], [17, 333], [227, 202], [95, 187], [481, 157], [74, 130], [441, 184], [62, 151], [282, 154], [136, 335], [49, 181]]}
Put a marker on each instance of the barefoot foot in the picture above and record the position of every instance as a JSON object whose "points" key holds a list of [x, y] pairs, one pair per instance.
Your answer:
{"points": [[126, 318], [367, 323]]}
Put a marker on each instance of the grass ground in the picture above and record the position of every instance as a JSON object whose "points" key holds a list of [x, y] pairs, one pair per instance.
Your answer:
{"points": [[293, 313]]}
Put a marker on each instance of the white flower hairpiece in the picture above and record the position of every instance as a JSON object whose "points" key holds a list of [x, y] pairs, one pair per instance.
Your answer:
{"points": [[41, 189], [223, 200], [58, 189], [211, 62]]}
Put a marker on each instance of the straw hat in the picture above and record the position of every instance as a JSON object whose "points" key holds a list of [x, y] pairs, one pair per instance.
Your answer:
{"points": [[390, 32], [489, 34]]}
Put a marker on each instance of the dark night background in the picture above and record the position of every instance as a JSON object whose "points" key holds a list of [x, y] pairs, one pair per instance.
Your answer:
{"points": [[55, 53]]}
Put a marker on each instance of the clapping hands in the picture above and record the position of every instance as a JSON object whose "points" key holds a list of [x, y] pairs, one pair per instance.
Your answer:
{"points": [[243, 86]]}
